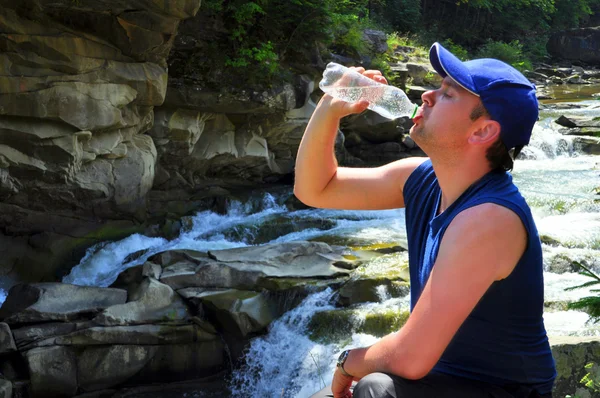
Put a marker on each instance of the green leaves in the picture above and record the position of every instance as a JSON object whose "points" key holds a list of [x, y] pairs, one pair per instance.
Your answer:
{"points": [[590, 304]]}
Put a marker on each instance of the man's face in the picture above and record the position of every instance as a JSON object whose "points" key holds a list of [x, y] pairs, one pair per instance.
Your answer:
{"points": [[443, 122]]}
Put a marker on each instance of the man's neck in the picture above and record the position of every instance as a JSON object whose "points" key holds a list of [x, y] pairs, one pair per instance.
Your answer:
{"points": [[455, 178]]}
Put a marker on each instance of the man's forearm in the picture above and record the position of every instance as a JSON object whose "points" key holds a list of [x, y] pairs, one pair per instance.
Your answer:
{"points": [[316, 163], [388, 355]]}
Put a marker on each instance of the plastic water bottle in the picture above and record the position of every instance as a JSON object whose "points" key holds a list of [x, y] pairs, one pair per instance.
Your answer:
{"points": [[351, 86]]}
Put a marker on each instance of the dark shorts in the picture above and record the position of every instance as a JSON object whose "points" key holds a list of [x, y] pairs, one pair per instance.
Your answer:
{"points": [[434, 385]]}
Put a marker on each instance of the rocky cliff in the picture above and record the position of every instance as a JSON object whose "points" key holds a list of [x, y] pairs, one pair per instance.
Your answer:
{"points": [[107, 129]]}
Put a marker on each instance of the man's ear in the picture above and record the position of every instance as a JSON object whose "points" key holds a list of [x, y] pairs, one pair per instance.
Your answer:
{"points": [[486, 133]]}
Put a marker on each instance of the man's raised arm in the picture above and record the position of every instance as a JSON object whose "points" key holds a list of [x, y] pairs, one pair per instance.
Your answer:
{"points": [[321, 183]]}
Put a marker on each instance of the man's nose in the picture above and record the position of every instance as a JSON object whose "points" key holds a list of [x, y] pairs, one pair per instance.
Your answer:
{"points": [[428, 97]]}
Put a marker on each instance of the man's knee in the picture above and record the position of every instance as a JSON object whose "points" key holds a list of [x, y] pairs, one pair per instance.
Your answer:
{"points": [[375, 385]]}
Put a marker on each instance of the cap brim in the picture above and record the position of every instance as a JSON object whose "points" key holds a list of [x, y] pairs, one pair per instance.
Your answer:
{"points": [[447, 64]]}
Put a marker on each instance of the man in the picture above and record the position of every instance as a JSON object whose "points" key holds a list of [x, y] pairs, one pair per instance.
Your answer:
{"points": [[476, 327]]}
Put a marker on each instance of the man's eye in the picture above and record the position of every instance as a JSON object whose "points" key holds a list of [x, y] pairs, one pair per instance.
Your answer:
{"points": [[445, 94]]}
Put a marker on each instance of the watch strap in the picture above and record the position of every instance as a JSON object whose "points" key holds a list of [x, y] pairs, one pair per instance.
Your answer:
{"points": [[341, 361]]}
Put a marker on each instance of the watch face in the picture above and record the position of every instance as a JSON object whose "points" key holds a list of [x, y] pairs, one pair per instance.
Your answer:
{"points": [[342, 356]]}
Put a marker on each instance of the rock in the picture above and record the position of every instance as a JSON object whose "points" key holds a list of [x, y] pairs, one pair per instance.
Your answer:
{"points": [[6, 388], [588, 145], [237, 312], [273, 227], [136, 335], [375, 128], [576, 45], [290, 259], [535, 75], [415, 92], [151, 302], [560, 263], [571, 354], [579, 125], [379, 154], [103, 367], [583, 131], [27, 337], [249, 268], [46, 302], [362, 290], [417, 72], [52, 371], [376, 41], [7, 342], [339, 325], [184, 95], [552, 72]]}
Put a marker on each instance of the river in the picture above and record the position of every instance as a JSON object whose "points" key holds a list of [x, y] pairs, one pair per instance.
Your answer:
{"points": [[556, 179]]}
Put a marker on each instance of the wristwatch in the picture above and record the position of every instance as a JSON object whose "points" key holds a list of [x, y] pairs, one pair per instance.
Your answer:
{"points": [[340, 363]]}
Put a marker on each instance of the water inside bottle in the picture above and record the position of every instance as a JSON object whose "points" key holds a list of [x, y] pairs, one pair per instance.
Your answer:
{"points": [[388, 101]]}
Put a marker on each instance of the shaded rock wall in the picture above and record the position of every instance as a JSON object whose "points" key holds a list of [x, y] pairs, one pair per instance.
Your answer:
{"points": [[79, 81], [97, 141], [576, 45]]}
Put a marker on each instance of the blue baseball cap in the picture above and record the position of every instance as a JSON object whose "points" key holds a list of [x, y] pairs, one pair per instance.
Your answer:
{"points": [[506, 94]]}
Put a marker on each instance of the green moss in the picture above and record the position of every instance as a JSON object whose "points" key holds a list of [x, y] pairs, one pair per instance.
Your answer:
{"points": [[339, 325], [381, 324], [311, 284]]}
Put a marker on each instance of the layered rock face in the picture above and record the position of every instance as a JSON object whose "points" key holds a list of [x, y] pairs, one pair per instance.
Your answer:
{"points": [[577, 45], [79, 81]]}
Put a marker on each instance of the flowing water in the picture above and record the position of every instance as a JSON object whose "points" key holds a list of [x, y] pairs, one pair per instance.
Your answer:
{"points": [[557, 180]]}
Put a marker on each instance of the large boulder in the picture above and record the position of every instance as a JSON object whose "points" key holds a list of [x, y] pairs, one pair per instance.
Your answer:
{"points": [[7, 342], [576, 45], [53, 371], [151, 302], [571, 354], [57, 302], [250, 268]]}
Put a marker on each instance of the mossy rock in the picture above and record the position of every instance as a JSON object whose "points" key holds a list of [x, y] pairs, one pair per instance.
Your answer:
{"points": [[275, 227], [362, 290], [547, 240], [339, 325]]}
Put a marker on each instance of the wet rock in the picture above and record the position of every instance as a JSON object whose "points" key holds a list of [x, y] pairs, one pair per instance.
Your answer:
{"points": [[291, 259], [136, 335], [362, 290], [7, 342], [338, 325], [27, 337], [588, 145], [237, 312], [52, 371], [561, 263], [46, 302], [571, 354], [103, 367], [151, 302], [6, 388], [273, 227]]}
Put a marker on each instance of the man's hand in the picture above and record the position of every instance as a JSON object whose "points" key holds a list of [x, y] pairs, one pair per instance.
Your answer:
{"points": [[343, 108], [340, 386]]}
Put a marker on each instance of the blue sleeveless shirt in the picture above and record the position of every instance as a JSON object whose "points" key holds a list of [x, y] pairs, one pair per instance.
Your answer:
{"points": [[503, 341]]}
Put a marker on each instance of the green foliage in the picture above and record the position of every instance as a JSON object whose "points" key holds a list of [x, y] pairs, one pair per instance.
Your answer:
{"points": [[511, 53], [590, 304], [591, 382], [456, 49]]}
